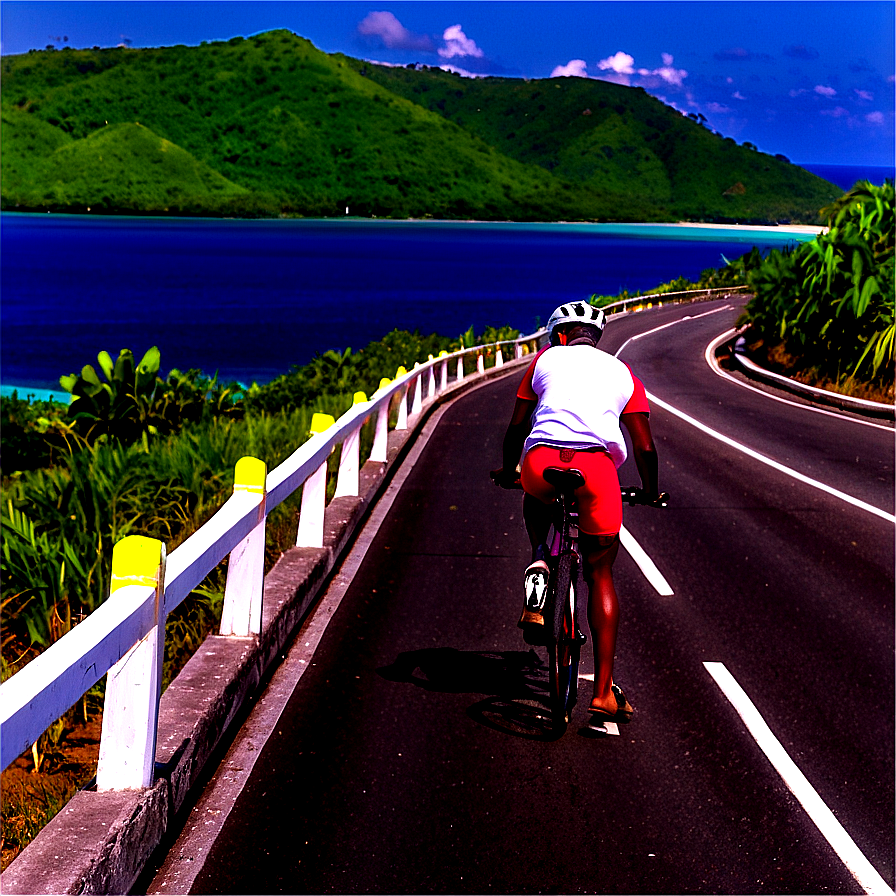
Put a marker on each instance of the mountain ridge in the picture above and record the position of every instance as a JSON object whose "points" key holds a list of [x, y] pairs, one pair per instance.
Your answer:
{"points": [[270, 125]]}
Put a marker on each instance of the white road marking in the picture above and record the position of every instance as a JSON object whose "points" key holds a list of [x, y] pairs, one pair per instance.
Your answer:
{"points": [[710, 356], [787, 471], [645, 564], [852, 857], [680, 320]]}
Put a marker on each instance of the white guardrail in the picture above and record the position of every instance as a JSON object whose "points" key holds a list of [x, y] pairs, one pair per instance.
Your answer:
{"points": [[124, 636]]}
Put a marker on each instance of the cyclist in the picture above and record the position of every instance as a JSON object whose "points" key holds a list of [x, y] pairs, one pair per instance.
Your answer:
{"points": [[567, 414]]}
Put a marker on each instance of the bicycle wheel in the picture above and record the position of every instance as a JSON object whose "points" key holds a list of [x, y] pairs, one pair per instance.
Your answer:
{"points": [[563, 645]]}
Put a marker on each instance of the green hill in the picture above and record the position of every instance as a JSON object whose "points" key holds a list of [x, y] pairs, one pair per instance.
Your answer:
{"points": [[270, 125]]}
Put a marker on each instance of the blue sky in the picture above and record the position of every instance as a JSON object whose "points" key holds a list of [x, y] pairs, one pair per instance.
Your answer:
{"points": [[811, 80]]}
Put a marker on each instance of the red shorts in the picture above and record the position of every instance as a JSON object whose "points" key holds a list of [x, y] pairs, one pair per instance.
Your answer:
{"points": [[599, 499]]}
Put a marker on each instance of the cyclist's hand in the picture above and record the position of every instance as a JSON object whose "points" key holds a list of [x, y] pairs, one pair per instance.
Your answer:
{"points": [[506, 478]]}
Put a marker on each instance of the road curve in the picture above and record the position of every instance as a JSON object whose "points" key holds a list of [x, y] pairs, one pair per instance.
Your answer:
{"points": [[412, 756]]}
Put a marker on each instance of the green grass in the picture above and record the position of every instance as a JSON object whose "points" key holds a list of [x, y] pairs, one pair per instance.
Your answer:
{"points": [[270, 125]]}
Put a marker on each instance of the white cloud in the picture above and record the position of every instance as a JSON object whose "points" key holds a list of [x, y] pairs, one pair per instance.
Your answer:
{"points": [[392, 33], [864, 95], [737, 95], [875, 117], [667, 72], [621, 67], [838, 112], [575, 68], [458, 44], [829, 92], [621, 63], [717, 108]]}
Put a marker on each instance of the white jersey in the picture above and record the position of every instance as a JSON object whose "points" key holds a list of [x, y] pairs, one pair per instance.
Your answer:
{"points": [[581, 393]]}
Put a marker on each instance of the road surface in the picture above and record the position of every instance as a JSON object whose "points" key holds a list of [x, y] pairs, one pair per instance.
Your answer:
{"points": [[413, 754]]}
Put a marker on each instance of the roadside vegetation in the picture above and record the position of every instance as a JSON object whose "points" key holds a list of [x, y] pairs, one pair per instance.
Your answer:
{"points": [[270, 125], [824, 311]]}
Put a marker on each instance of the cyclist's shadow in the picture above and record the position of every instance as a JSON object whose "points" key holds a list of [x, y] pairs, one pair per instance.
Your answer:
{"points": [[515, 682]]}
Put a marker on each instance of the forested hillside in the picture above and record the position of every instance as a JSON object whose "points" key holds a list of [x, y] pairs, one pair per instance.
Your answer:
{"points": [[270, 125]]}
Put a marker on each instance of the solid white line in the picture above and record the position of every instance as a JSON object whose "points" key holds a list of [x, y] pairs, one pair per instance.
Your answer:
{"points": [[710, 357], [852, 857], [787, 471], [680, 320], [645, 564]]}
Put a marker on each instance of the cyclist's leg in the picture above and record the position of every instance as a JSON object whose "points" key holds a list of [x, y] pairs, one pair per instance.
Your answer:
{"points": [[537, 517], [539, 495], [598, 554], [600, 518]]}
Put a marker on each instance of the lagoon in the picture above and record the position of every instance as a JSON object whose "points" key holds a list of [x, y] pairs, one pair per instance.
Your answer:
{"points": [[247, 299]]}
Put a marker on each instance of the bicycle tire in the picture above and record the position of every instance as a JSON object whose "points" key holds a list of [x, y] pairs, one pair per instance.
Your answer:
{"points": [[563, 645]]}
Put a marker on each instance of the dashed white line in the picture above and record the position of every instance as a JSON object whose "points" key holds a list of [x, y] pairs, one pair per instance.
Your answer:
{"points": [[852, 857]]}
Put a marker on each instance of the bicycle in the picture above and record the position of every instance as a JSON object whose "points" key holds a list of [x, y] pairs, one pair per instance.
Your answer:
{"points": [[562, 636]]}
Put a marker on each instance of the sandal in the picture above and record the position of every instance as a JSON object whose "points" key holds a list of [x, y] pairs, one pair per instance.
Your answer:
{"points": [[624, 709]]}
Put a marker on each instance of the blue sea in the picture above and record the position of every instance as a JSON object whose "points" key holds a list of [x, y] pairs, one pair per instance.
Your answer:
{"points": [[845, 176], [247, 299]]}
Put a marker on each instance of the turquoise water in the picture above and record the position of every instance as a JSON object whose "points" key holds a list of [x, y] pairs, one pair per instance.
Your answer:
{"points": [[248, 299]]}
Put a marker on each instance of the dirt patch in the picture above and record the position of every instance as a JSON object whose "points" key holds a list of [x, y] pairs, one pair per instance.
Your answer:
{"points": [[30, 799]]}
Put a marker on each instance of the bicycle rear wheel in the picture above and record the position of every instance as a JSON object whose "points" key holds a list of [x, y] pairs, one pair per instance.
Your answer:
{"points": [[563, 646]]}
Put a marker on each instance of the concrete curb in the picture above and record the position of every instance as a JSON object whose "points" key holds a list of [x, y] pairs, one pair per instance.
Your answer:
{"points": [[834, 399], [101, 842]]}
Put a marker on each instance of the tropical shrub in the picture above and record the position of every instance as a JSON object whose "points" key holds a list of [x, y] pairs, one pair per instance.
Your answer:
{"points": [[134, 403], [829, 302]]}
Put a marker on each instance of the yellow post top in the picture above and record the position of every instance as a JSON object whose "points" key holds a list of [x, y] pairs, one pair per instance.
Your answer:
{"points": [[321, 423], [250, 475], [136, 560], [430, 357], [385, 381], [400, 372], [442, 354], [359, 398]]}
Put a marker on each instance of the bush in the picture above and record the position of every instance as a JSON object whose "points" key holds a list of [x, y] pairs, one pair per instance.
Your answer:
{"points": [[830, 302]]}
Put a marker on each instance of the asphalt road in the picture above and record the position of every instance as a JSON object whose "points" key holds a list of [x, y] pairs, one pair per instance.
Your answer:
{"points": [[413, 756]]}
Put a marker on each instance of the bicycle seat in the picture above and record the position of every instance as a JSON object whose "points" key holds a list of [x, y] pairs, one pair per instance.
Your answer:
{"points": [[563, 479]]}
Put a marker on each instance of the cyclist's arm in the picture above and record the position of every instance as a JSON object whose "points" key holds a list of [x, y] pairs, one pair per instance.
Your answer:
{"points": [[519, 427], [638, 426]]}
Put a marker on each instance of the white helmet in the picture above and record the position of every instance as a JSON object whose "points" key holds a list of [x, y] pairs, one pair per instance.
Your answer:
{"points": [[576, 313]]}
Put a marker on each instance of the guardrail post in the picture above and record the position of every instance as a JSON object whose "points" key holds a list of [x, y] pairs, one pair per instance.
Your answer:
{"points": [[314, 495], [134, 684], [402, 422], [460, 368], [444, 372], [243, 592], [431, 381], [480, 363], [381, 437], [418, 393], [499, 357], [348, 481]]}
